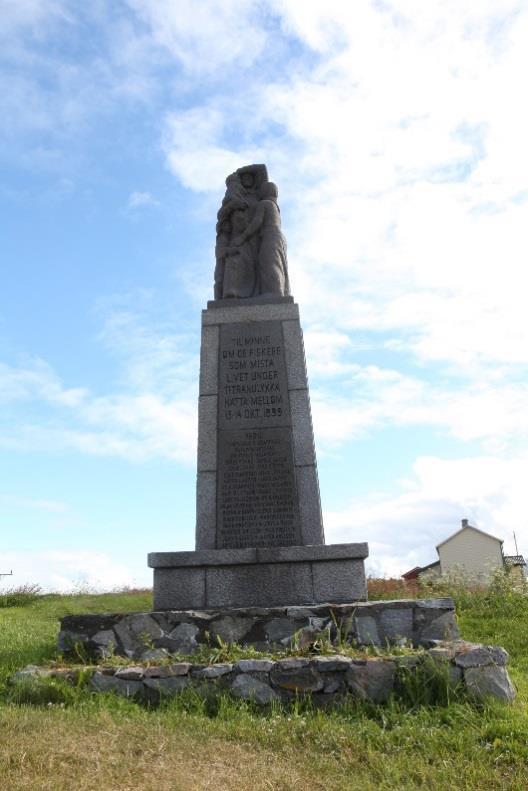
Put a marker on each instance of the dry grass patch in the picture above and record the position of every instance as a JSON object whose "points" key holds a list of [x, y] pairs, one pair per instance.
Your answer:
{"points": [[129, 749], [59, 750]]}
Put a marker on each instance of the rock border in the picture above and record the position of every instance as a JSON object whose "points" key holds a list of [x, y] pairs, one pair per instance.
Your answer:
{"points": [[474, 668], [151, 636]]}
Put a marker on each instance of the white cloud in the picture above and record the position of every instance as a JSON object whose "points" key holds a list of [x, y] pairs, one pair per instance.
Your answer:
{"points": [[137, 199], [51, 506], [193, 156], [326, 349], [320, 27], [205, 35], [405, 145], [152, 413], [133, 430], [369, 397], [403, 529], [139, 330], [32, 14], [144, 427], [66, 571], [60, 92], [36, 380]]}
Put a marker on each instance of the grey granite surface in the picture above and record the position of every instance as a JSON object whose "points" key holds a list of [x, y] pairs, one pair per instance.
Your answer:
{"points": [[214, 304], [206, 510], [244, 312], [295, 358], [303, 439], [250, 555], [209, 360], [310, 505], [253, 577], [207, 437]]}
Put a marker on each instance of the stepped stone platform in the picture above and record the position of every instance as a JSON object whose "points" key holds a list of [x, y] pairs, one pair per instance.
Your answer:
{"points": [[155, 635], [153, 638]]}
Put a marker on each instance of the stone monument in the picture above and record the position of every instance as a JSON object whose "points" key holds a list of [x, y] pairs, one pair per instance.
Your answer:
{"points": [[261, 574], [259, 529]]}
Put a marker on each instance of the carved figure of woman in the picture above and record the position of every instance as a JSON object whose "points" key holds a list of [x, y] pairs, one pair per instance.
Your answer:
{"points": [[272, 272], [239, 277]]}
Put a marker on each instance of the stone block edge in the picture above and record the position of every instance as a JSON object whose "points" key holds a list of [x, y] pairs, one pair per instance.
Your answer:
{"points": [[251, 555]]}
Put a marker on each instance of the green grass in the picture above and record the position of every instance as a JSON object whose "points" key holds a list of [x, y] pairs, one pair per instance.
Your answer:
{"points": [[70, 739], [28, 633]]}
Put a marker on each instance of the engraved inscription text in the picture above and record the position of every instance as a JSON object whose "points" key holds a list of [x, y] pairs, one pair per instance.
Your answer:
{"points": [[257, 505]]}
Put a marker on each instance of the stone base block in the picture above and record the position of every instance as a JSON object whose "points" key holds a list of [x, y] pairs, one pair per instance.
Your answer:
{"points": [[225, 578]]}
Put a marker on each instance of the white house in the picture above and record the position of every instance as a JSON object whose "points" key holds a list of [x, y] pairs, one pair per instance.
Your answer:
{"points": [[472, 551]]}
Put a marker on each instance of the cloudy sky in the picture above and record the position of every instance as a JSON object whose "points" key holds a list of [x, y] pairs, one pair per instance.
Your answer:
{"points": [[396, 132]]}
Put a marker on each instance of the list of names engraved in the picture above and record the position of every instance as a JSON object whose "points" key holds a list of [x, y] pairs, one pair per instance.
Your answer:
{"points": [[257, 498], [252, 381]]}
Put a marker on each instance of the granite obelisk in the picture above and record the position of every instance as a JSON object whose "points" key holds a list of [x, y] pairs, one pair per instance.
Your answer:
{"points": [[257, 475]]}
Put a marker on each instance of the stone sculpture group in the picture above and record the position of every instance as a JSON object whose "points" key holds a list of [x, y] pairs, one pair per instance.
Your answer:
{"points": [[250, 249]]}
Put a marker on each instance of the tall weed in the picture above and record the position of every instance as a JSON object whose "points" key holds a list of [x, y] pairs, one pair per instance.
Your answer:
{"points": [[502, 590], [20, 596]]}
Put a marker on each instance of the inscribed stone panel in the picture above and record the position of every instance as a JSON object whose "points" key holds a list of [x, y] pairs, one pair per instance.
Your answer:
{"points": [[257, 503], [253, 385]]}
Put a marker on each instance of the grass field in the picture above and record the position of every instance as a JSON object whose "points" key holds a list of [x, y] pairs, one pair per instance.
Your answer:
{"points": [[73, 740]]}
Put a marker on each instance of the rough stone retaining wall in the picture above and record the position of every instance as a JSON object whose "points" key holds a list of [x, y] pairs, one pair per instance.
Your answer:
{"points": [[327, 679], [155, 635]]}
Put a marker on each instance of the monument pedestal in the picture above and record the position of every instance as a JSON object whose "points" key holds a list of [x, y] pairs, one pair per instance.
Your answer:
{"points": [[259, 529], [287, 576]]}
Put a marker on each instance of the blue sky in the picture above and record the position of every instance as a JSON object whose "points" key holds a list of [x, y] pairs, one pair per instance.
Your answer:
{"points": [[396, 133]]}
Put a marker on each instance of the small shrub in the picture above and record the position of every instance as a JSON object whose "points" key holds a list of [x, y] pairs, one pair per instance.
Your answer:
{"points": [[21, 596]]}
